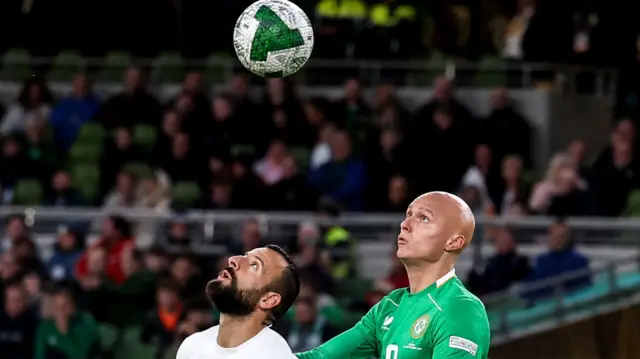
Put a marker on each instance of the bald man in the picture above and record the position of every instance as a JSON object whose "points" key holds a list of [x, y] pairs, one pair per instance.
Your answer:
{"points": [[436, 317], [255, 290]]}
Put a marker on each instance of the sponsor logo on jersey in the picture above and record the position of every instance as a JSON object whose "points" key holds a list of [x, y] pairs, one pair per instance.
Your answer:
{"points": [[387, 322], [419, 327], [463, 344], [412, 346]]}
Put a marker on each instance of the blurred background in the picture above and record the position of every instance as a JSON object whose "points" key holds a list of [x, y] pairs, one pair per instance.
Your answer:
{"points": [[136, 156]]}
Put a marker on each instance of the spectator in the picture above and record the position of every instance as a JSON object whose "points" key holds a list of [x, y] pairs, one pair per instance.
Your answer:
{"points": [[164, 319], [398, 195], [292, 192], [313, 261], [501, 270], [26, 254], [309, 328], [179, 234], [71, 113], [505, 119], [68, 334], [132, 106], [250, 238], [561, 192], [10, 269], [62, 193], [511, 197], [247, 186], [388, 156], [444, 97], [124, 195], [67, 251], [115, 239], [321, 152], [283, 113], [154, 194], [615, 175], [119, 151], [39, 148], [221, 194], [482, 174], [16, 165], [270, 169], [562, 258], [343, 179], [352, 113], [183, 163], [576, 150], [14, 229], [17, 324], [184, 274], [33, 105], [224, 130]]}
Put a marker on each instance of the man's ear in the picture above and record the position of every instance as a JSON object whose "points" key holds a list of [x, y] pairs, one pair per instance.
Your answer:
{"points": [[269, 300], [455, 244]]}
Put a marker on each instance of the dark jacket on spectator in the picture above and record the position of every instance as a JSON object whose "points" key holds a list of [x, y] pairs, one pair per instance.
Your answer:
{"points": [[17, 334]]}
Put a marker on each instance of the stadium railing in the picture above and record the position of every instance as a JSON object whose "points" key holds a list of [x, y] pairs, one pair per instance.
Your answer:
{"points": [[515, 313], [488, 71]]}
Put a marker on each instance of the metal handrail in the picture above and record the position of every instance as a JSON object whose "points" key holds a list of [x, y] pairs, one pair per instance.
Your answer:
{"points": [[391, 219]]}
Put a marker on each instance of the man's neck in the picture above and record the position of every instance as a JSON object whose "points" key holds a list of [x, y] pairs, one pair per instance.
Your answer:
{"points": [[423, 274], [234, 331]]}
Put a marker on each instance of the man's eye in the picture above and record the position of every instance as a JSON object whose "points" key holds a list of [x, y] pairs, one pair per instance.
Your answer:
{"points": [[424, 219], [254, 265]]}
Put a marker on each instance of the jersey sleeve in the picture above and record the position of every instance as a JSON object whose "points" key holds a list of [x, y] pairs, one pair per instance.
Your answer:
{"points": [[359, 342], [462, 332]]}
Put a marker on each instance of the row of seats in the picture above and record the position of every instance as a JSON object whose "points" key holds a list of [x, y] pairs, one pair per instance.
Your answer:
{"points": [[169, 67]]}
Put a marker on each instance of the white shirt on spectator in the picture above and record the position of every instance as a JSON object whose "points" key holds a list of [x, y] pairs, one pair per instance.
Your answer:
{"points": [[320, 155], [265, 345], [17, 118]]}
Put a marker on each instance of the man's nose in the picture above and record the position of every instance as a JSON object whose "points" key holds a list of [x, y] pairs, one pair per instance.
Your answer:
{"points": [[234, 262], [405, 226]]}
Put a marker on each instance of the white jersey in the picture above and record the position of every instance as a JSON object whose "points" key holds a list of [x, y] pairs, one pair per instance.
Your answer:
{"points": [[265, 345]]}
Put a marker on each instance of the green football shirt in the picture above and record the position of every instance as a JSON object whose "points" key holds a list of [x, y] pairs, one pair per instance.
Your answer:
{"points": [[444, 321]]}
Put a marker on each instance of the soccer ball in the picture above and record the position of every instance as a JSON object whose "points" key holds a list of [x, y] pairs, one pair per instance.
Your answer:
{"points": [[273, 38]]}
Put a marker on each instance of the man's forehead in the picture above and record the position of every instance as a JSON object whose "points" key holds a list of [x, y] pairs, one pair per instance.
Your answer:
{"points": [[269, 256]]}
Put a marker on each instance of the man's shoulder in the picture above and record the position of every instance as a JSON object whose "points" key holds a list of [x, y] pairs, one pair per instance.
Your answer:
{"points": [[200, 338], [272, 337], [458, 302]]}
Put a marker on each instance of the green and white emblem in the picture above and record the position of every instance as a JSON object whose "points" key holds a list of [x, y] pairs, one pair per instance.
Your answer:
{"points": [[419, 327]]}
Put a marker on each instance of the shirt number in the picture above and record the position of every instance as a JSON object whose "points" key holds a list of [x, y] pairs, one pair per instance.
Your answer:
{"points": [[391, 352]]}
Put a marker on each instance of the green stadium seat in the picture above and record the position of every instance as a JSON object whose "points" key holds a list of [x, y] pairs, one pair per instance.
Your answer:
{"points": [[28, 192], [16, 65], [91, 133], [108, 336], [66, 65], [301, 155], [185, 194], [86, 178], [214, 71], [139, 169], [114, 66], [240, 150], [85, 153], [168, 67], [491, 72], [145, 136]]}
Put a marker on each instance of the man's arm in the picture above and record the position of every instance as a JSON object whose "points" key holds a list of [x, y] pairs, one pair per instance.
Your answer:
{"points": [[463, 332], [357, 342]]}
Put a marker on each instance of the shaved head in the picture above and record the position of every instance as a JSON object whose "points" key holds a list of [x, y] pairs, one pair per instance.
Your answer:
{"points": [[436, 223]]}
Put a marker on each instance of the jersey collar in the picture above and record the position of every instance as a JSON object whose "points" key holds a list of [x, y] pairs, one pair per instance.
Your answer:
{"points": [[446, 277]]}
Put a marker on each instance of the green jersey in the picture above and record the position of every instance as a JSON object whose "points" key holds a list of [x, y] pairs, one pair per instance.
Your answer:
{"points": [[444, 321]]}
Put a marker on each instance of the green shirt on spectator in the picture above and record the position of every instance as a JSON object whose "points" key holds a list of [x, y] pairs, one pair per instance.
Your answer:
{"points": [[80, 342]]}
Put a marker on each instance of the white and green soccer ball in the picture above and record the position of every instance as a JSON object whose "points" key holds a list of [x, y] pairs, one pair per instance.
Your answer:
{"points": [[273, 38]]}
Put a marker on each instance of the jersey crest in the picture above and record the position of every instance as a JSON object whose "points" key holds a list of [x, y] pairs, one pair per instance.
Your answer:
{"points": [[419, 327]]}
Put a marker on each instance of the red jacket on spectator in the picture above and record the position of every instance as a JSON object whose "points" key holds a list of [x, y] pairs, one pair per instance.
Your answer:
{"points": [[114, 270]]}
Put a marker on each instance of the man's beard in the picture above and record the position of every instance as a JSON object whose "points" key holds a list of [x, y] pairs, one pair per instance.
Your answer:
{"points": [[230, 300]]}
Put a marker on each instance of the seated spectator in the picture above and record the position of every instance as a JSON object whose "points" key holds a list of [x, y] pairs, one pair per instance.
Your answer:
{"points": [[156, 260], [154, 194], [292, 192], [343, 179], [71, 113], [247, 187], [14, 228], [40, 149], [184, 273], [17, 324], [124, 195], [164, 319], [10, 269], [26, 254], [502, 269], [561, 259], [16, 165], [270, 169], [115, 239], [308, 328], [561, 192], [321, 152], [511, 197], [32, 284], [482, 174], [132, 106], [62, 193], [33, 105], [250, 238], [119, 151], [179, 234], [312, 261], [66, 252], [69, 334]]}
